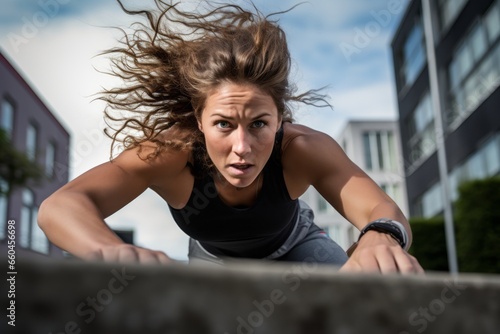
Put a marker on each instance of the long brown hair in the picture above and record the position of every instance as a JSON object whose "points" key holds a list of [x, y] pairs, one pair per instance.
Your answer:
{"points": [[170, 63]]}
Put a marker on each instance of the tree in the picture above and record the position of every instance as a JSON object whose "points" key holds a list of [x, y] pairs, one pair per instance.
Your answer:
{"points": [[429, 243], [478, 226], [15, 167]]}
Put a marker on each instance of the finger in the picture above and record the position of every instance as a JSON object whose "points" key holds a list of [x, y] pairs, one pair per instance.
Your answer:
{"points": [[387, 262], [417, 265], [405, 263], [127, 254], [368, 263], [147, 256], [110, 254], [163, 258], [362, 261], [350, 267]]}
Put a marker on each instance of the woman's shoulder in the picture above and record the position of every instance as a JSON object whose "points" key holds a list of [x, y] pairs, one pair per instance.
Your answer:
{"points": [[304, 152], [306, 148], [298, 136]]}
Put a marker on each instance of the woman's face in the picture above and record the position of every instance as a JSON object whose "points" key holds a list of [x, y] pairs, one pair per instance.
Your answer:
{"points": [[239, 123]]}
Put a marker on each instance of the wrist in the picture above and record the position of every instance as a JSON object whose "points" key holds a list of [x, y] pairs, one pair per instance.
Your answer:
{"points": [[390, 227]]}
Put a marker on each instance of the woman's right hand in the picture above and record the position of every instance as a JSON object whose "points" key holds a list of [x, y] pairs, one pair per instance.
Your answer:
{"points": [[126, 253]]}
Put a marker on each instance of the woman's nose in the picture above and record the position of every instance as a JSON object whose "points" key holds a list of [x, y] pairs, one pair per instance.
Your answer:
{"points": [[241, 144]]}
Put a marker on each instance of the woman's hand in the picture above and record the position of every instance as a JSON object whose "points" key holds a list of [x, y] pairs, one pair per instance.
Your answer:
{"points": [[128, 253], [379, 252]]}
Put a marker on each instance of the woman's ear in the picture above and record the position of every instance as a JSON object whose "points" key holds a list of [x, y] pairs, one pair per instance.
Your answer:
{"points": [[200, 127]]}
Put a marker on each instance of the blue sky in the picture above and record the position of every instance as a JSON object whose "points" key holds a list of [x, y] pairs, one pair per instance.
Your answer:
{"points": [[53, 44]]}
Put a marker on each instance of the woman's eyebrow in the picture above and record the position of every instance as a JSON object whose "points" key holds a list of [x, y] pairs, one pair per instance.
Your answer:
{"points": [[217, 114]]}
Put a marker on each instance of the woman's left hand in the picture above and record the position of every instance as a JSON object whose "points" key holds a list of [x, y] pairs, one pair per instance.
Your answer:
{"points": [[379, 252]]}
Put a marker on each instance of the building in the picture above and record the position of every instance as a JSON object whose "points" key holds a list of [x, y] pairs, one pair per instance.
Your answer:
{"points": [[448, 98], [32, 129], [326, 217], [375, 147]]}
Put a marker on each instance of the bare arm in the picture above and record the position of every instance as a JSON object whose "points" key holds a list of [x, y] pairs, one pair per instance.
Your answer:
{"points": [[73, 217], [354, 195]]}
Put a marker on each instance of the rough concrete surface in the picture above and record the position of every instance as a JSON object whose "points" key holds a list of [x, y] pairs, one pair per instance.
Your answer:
{"points": [[244, 297]]}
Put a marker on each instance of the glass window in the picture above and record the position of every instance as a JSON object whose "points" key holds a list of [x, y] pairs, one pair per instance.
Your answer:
{"points": [[367, 151], [379, 150], [454, 74], [479, 43], [391, 149], [30, 235], [448, 11], [488, 76], [472, 91], [468, 54], [7, 120], [28, 201], [422, 116], [421, 128], [491, 70], [454, 179], [39, 241], [465, 61], [476, 167], [492, 22], [482, 164], [396, 194], [4, 201], [432, 203], [50, 157], [472, 75], [31, 141], [414, 56], [492, 156], [393, 190]]}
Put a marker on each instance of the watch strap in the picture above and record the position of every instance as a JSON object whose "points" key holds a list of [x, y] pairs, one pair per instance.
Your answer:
{"points": [[384, 225]]}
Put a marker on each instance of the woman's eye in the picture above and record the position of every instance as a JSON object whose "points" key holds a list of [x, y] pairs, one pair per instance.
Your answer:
{"points": [[222, 124], [258, 124]]}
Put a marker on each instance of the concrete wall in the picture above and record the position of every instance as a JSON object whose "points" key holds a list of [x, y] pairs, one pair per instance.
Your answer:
{"points": [[247, 297]]}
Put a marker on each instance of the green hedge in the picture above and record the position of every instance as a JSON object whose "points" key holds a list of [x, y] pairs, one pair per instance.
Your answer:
{"points": [[477, 231], [429, 243], [478, 226]]}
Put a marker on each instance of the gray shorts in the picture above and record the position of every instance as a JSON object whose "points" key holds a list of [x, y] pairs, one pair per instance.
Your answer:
{"points": [[306, 243]]}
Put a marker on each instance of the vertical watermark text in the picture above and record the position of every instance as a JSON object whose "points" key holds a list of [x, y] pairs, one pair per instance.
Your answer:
{"points": [[11, 272]]}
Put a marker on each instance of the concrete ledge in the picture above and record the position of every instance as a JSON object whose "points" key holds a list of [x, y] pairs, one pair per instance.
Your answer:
{"points": [[247, 297]]}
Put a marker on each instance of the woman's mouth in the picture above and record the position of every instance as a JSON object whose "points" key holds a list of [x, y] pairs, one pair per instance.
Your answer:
{"points": [[241, 166], [240, 169]]}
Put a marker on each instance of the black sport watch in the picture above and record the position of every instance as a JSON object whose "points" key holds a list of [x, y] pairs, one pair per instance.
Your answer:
{"points": [[392, 227]]}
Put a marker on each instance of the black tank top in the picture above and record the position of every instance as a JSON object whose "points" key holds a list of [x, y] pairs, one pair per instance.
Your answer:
{"points": [[253, 232]]}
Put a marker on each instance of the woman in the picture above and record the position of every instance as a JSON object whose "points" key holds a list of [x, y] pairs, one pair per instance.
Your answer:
{"points": [[208, 128]]}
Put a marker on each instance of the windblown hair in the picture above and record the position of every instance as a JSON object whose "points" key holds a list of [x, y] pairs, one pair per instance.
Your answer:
{"points": [[171, 63]]}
